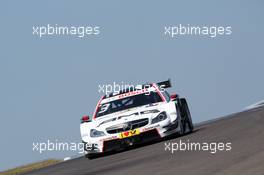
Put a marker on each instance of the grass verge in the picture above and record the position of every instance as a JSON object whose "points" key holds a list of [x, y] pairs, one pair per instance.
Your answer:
{"points": [[30, 167]]}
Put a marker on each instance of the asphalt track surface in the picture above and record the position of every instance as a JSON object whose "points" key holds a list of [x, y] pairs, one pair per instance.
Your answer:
{"points": [[244, 130]]}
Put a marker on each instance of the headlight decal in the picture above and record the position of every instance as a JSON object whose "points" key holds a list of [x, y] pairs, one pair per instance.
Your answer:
{"points": [[162, 116], [96, 133]]}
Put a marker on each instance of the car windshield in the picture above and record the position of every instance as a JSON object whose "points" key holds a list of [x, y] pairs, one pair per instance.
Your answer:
{"points": [[128, 102]]}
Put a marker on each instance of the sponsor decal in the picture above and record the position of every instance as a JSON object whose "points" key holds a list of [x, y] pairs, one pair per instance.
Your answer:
{"points": [[129, 133]]}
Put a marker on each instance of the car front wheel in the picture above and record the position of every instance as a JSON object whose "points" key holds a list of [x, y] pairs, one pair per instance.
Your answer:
{"points": [[186, 117]]}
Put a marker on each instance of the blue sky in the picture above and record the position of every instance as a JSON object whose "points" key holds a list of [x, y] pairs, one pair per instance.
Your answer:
{"points": [[47, 84]]}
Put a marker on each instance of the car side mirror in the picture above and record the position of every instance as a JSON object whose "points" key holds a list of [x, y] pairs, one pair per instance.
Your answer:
{"points": [[173, 97], [85, 118]]}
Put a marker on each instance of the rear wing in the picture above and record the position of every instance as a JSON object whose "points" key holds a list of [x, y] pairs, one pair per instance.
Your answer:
{"points": [[164, 84]]}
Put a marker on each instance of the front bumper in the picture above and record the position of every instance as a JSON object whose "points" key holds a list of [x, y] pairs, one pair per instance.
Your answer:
{"points": [[118, 143], [147, 133]]}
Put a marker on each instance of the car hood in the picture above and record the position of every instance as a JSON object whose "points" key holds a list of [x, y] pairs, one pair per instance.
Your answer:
{"points": [[147, 111]]}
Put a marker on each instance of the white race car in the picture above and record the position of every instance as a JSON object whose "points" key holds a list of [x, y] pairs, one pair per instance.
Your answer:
{"points": [[133, 116]]}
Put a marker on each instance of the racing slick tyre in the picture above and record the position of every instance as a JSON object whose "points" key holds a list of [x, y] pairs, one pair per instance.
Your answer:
{"points": [[182, 129], [91, 156], [180, 122], [187, 123]]}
